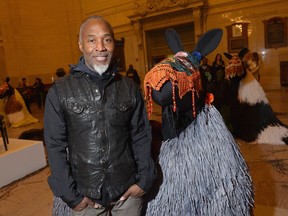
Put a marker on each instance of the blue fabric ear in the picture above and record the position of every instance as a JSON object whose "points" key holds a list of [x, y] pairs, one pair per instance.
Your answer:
{"points": [[209, 41], [173, 40], [206, 44]]}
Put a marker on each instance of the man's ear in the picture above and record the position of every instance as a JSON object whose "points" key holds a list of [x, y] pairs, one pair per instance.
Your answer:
{"points": [[80, 46]]}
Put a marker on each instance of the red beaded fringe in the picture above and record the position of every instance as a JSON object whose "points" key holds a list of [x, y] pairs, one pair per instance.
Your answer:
{"points": [[161, 73]]}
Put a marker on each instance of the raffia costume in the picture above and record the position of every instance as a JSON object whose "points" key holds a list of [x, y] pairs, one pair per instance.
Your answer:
{"points": [[203, 170]]}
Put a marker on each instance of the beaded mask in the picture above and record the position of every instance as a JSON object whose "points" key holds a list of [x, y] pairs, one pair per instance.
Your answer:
{"points": [[234, 68]]}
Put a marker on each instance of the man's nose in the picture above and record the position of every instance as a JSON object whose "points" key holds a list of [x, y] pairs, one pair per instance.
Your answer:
{"points": [[100, 46]]}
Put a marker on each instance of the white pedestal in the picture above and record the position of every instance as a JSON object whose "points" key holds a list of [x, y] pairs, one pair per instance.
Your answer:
{"points": [[22, 158]]}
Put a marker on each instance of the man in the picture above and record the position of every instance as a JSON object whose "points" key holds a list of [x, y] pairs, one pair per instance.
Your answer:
{"points": [[208, 76], [99, 118], [132, 73], [25, 92], [38, 89]]}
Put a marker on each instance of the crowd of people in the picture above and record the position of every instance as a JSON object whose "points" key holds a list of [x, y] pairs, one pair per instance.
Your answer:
{"points": [[33, 93], [16, 101], [14, 106]]}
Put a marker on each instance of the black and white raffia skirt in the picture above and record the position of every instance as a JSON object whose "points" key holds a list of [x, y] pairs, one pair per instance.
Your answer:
{"points": [[60, 208], [204, 173]]}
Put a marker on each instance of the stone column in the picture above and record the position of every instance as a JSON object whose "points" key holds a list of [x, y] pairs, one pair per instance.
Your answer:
{"points": [[137, 25]]}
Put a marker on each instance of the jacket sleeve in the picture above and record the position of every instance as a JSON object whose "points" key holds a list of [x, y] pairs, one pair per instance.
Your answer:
{"points": [[141, 144], [55, 134]]}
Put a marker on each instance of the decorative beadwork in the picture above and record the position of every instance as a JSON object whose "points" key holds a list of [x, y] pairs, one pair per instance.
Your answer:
{"points": [[167, 70]]}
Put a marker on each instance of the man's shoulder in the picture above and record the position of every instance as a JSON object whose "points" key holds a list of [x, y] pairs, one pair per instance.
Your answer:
{"points": [[122, 77], [126, 79], [62, 81]]}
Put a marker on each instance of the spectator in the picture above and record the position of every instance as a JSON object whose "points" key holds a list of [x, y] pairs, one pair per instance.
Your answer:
{"points": [[6, 90], [208, 76], [219, 68], [60, 72], [38, 89], [132, 73], [25, 92], [254, 65], [219, 71]]}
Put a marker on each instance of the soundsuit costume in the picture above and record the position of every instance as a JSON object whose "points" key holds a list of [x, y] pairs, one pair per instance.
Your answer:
{"points": [[251, 114], [203, 171]]}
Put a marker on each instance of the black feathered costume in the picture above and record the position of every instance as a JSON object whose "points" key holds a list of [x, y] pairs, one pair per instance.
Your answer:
{"points": [[252, 117]]}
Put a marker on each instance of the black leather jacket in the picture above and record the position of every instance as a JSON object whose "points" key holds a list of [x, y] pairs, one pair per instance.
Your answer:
{"points": [[107, 134]]}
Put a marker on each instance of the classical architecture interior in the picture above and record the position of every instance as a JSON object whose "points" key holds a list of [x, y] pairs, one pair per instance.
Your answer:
{"points": [[37, 38]]}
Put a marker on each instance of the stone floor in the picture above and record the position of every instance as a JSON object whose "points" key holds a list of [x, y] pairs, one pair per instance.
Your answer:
{"points": [[31, 195]]}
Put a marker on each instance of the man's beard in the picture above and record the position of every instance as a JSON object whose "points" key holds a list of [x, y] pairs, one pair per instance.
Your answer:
{"points": [[100, 69]]}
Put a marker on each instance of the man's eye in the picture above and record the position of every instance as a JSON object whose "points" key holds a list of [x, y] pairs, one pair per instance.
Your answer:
{"points": [[91, 40], [107, 40]]}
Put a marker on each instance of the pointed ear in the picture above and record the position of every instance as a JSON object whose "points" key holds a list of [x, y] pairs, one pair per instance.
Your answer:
{"points": [[173, 40], [209, 41], [227, 55]]}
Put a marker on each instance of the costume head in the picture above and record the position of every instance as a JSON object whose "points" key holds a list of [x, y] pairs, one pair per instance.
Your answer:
{"points": [[245, 56], [243, 52], [235, 67], [182, 70]]}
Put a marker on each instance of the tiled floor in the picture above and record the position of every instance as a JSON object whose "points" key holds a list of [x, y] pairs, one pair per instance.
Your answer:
{"points": [[31, 196]]}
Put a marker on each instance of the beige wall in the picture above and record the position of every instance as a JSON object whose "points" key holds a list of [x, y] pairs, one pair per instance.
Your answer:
{"points": [[37, 37], [223, 13]]}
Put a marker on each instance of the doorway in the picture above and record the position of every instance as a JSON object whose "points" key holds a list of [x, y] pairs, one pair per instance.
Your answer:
{"points": [[284, 73], [157, 48]]}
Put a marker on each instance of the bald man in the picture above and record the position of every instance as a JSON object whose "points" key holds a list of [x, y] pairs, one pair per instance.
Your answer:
{"points": [[97, 133]]}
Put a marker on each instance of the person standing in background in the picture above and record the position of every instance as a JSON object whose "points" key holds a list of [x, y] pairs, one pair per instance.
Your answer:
{"points": [[254, 65], [6, 90], [219, 67], [208, 76], [38, 88], [25, 92], [133, 74], [219, 71]]}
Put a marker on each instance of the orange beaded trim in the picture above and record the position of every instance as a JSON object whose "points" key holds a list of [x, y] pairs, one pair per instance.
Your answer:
{"points": [[161, 73]]}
